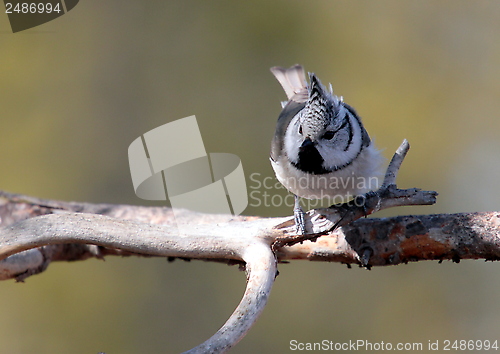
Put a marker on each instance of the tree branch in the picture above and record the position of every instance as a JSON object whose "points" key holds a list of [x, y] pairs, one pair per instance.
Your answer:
{"points": [[35, 232], [402, 239], [261, 272], [201, 241]]}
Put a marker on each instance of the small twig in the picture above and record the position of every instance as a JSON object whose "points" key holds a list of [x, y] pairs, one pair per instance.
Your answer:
{"points": [[395, 164]]}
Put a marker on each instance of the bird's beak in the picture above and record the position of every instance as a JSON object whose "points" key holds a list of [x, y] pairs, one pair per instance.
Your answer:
{"points": [[307, 143]]}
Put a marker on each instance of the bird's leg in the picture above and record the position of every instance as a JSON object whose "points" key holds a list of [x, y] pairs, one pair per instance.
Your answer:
{"points": [[298, 215]]}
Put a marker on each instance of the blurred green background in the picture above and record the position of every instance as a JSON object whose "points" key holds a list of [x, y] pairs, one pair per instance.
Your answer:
{"points": [[75, 92]]}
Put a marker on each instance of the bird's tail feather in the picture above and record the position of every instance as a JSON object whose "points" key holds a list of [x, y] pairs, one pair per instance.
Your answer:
{"points": [[293, 81]]}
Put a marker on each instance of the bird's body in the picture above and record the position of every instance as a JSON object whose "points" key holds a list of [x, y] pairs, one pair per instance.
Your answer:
{"points": [[320, 148]]}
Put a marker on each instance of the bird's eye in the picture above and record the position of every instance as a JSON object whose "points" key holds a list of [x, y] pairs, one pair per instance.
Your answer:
{"points": [[300, 130], [328, 135]]}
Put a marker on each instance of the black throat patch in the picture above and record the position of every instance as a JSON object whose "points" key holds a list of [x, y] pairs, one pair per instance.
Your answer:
{"points": [[310, 160]]}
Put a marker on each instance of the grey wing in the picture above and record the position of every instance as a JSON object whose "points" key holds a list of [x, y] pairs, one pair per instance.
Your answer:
{"points": [[289, 111]]}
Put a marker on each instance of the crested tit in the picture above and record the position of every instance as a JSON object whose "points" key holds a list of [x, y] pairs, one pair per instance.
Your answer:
{"points": [[320, 148]]}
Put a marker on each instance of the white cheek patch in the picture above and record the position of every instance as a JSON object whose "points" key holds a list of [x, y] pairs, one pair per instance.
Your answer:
{"points": [[335, 156]]}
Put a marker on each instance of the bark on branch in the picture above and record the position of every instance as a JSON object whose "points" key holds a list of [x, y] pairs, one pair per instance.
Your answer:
{"points": [[35, 232]]}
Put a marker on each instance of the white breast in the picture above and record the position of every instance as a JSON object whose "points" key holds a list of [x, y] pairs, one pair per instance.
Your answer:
{"points": [[360, 177]]}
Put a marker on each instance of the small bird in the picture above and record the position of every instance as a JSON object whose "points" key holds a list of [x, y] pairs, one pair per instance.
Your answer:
{"points": [[320, 148]]}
